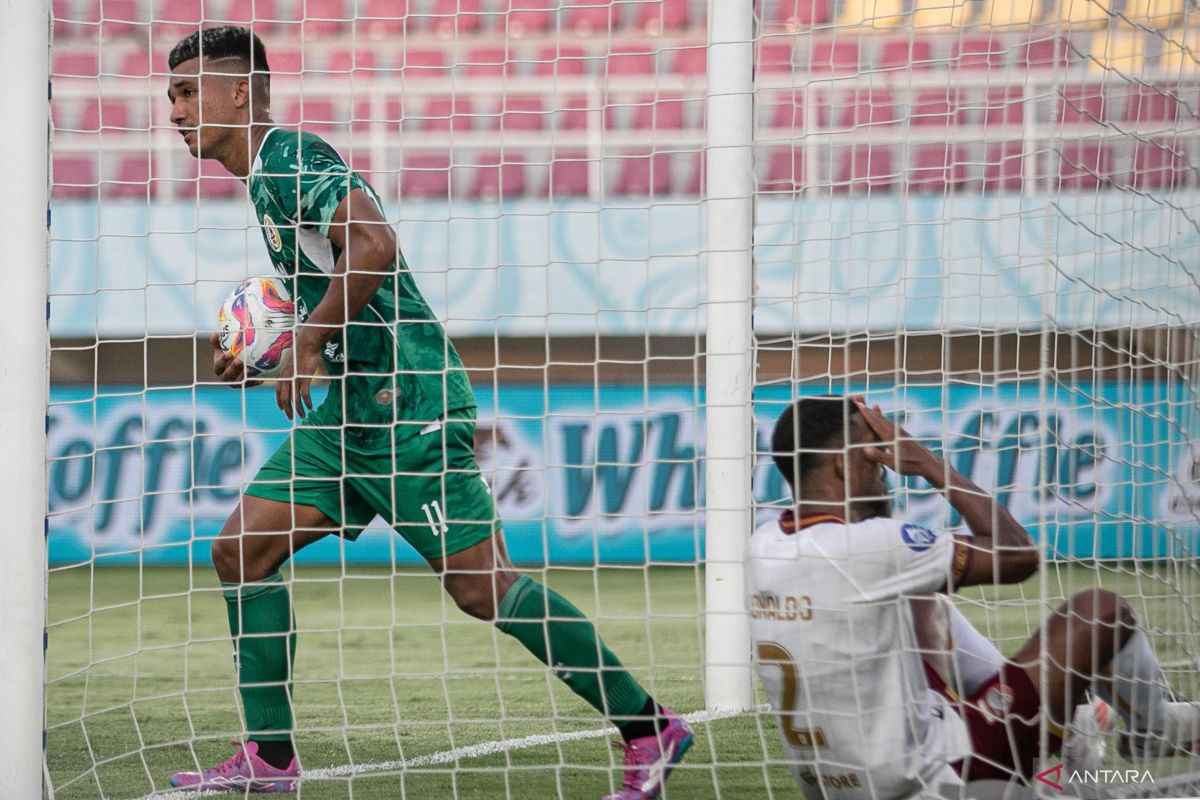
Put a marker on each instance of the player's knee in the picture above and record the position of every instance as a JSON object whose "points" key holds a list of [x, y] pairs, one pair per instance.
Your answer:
{"points": [[473, 597], [227, 558], [1102, 608]]}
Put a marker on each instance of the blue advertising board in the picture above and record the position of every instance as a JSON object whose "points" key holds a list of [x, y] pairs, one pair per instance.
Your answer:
{"points": [[614, 474]]}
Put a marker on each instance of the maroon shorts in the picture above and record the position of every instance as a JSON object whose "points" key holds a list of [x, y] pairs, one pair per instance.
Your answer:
{"points": [[1002, 717]]}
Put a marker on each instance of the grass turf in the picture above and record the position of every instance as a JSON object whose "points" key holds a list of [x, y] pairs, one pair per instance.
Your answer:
{"points": [[141, 680]]}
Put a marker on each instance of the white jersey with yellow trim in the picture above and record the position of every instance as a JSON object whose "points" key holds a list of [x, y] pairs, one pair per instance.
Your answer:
{"points": [[837, 655]]}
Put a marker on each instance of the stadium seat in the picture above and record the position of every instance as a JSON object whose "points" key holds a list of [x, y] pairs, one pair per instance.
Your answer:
{"points": [[488, 62], [775, 55], [1082, 104], [382, 18], [457, 18], [426, 173], [832, 54], [367, 116], [119, 18], [66, 21], [1153, 14], [905, 53], [866, 166], [569, 170], [977, 52], [110, 114], [1118, 51], [74, 176], [931, 15], [346, 60], [876, 14], [420, 64], [133, 178], [326, 17], [526, 17], [797, 15], [1079, 15], [1160, 162], [502, 173], [1010, 13], [784, 162], [174, 19], [662, 16], [563, 61], [632, 58], [1085, 164], [1044, 53], [936, 167], [690, 61], [647, 171], [263, 15], [315, 115], [286, 60], [81, 62], [591, 17]]}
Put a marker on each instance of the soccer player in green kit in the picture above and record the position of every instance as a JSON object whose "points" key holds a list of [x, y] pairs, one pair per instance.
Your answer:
{"points": [[393, 437]]}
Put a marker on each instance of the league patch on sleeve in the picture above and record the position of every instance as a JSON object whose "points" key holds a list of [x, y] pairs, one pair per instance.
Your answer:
{"points": [[917, 538]]}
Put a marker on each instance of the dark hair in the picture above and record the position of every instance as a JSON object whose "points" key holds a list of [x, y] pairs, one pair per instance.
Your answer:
{"points": [[228, 41], [809, 425]]}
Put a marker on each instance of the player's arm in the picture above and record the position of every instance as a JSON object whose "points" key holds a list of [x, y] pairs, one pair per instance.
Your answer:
{"points": [[1000, 550], [367, 248]]}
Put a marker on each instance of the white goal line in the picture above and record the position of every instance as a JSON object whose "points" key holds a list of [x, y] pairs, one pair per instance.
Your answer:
{"points": [[469, 751]]}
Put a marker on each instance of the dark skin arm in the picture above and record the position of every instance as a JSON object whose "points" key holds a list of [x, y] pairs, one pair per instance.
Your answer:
{"points": [[1001, 550], [368, 252]]}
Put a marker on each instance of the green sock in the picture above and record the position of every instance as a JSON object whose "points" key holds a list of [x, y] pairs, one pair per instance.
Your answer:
{"points": [[264, 661], [563, 638]]}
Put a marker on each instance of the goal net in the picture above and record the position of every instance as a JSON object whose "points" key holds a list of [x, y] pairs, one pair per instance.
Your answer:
{"points": [[980, 214]]}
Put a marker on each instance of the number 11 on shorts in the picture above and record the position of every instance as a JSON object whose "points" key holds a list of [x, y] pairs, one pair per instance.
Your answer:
{"points": [[437, 520]]}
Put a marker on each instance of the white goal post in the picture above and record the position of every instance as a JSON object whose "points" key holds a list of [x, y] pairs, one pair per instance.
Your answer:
{"points": [[24, 58]]}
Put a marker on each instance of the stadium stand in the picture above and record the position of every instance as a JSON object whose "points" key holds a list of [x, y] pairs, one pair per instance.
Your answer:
{"points": [[421, 89]]}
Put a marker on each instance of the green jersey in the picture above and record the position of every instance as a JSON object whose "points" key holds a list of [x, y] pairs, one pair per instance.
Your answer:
{"points": [[393, 361]]}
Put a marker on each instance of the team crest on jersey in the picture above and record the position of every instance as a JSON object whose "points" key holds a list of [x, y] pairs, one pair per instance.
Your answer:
{"points": [[917, 538], [274, 240], [997, 702]]}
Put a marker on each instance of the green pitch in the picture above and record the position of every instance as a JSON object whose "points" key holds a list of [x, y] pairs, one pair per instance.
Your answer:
{"points": [[388, 671]]}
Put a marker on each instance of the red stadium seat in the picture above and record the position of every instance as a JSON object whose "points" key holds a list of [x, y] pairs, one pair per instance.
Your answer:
{"points": [[977, 52], [177, 18], [525, 17], [99, 114], [833, 55], [502, 173], [659, 16], [83, 62], [1085, 164], [120, 18], [905, 53], [421, 63], [632, 59], [690, 61], [74, 177], [133, 178], [556, 61], [263, 15], [489, 62], [315, 115], [1085, 104], [647, 171], [380, 18], [326, 17], [347, 60], [136, 64], [1161, 162], [1003, 167], [796, 15], [426, 173], [66, 20], [569, 170], [1045, 53], [286, 60], [936, 167], [775, 55], [455, 18], [785, 162], [590, 17], [212, 181], [865, 166]]}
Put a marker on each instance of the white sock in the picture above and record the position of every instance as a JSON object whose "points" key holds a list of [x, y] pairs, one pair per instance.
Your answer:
{"points": [[975, 658], [1138, 683]]}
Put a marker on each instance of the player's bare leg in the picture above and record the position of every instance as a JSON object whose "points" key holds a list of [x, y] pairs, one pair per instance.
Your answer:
{"points": [[485, 584], [256, 540], [1093, 642]]}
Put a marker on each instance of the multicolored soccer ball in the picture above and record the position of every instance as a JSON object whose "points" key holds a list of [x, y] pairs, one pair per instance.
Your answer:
{"points": [[256, 326]]}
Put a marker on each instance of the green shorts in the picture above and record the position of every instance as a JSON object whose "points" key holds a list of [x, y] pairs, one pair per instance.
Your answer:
{"points": [[427, 485]]}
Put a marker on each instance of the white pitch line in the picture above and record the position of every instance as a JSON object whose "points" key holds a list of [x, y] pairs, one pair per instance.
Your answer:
{"points": [[470, 751]]}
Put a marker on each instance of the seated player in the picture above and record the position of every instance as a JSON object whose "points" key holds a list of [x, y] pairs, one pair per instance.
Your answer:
{"points": [[881, 689], [393, 437]]}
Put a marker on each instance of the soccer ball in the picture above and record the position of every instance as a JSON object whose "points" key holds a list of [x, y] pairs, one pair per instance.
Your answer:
{"points": [[256, 324]]}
